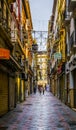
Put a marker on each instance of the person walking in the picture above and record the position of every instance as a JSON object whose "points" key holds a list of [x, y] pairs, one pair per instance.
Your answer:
{"points": [[35, 90], [43, 90], [40, 89]]}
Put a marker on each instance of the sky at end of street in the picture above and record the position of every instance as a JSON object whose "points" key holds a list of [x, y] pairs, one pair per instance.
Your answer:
{"points": [[41, 10]]}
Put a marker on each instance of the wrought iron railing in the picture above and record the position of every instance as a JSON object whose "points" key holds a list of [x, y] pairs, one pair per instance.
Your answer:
{"points": [[5, 26], [71, 40]]}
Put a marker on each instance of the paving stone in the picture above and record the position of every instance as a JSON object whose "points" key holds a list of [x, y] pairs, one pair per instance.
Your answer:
{"points": [[40, 112]]}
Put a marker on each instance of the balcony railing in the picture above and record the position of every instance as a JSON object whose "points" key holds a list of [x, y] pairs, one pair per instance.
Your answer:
{"points": [[5, 26], [14, 35], [72, 5], [66, 17], [73, 40]]}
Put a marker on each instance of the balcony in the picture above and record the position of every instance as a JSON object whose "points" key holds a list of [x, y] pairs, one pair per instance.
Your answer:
{"points": [[5, 26], [30, 70], [66, 18], [72, 5], [73, 41], [6, 35]]}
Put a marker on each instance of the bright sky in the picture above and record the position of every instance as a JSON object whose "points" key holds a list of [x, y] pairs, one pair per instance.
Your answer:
{"points": [[41, 10]]}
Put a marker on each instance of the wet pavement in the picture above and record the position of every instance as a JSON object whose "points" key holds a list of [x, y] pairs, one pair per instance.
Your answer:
{"points": [[39, 112]]}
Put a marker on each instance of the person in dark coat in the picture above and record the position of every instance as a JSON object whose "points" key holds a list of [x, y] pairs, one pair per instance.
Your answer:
{"points": [[34, 90], [43, 90], [40, 89]]}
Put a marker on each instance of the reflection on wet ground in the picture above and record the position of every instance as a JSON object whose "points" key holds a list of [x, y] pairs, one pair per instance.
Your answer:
{"points": [[39, 112]]}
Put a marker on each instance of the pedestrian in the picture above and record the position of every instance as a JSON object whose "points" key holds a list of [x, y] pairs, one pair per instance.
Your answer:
{"points": [[34, 90], [45, 86], [48, 87], [40, 89], [43, 90]]}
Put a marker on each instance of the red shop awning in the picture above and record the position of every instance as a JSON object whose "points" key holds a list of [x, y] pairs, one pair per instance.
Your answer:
{"points": [[4, 53]]}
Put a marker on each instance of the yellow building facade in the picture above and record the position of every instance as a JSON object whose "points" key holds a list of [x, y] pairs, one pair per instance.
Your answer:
{"points": [[41, 69], [28, 41], [58, 50]]}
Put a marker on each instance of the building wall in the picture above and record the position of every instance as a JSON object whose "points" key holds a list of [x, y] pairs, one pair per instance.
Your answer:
{"points": [[58, 46], [63, 31]]}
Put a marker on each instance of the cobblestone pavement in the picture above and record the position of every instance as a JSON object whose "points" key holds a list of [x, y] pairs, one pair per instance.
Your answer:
{"points": [[39, 112]]}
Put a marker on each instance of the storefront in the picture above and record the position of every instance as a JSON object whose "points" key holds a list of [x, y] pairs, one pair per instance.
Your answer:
{"points": [[12, 92], [22, 87], [72, 82], [61, 82], [3, 93], [30, 80], [67, 84]]}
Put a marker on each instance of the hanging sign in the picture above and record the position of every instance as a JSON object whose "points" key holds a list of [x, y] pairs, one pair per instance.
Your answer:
{"points": [[4, 54], [34, 47], [57, 55]]}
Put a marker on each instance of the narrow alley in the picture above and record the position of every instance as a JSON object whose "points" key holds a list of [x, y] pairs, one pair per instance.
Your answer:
{"points": [[37, 52], [39, 112]]}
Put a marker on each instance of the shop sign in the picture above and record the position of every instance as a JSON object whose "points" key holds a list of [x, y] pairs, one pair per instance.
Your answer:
{"points": [[34, 47], [57, 55], [59, 69], [4, 54]]}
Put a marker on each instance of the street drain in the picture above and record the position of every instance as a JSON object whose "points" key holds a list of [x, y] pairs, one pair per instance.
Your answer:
{"points": [[28, 104], [57, 105], [59, 126], [72, 123], [3, 128], [18, 111]]}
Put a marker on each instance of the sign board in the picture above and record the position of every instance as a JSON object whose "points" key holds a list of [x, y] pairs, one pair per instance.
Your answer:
{"points": [[4, 53], [57, 55], [34, 47]]}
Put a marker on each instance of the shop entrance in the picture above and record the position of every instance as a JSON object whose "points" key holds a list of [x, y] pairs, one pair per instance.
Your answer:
{"points": [[74, 76]]}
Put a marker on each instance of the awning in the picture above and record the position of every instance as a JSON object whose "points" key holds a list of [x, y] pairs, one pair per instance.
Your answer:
{"points": [[11, 64], [4, 53]]}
